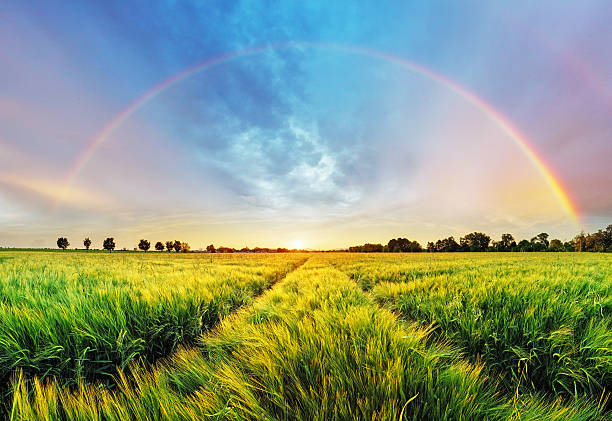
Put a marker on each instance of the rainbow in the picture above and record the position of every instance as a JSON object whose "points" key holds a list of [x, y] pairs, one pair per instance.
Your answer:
{"points": [[559, 191]]}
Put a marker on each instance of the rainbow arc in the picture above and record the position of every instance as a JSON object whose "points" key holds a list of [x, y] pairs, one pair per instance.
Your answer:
{"points": [[556, 186]]}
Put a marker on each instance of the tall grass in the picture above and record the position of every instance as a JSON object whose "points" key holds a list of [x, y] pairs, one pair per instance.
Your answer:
{"points": [[314, 347], [543, 322], [76, 317]]}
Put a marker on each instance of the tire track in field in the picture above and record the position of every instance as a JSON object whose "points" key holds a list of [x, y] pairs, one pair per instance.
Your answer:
{"points": [[150, 365], [215, 319]]}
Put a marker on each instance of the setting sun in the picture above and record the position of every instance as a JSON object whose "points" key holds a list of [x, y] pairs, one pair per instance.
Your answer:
{"points": [[297, 244]]}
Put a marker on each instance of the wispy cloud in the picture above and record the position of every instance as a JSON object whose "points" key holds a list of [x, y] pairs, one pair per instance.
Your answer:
{"points": [[47, 192]]}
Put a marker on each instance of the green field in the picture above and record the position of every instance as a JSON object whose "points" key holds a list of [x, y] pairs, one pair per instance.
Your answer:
{"points": [[117, 336]]}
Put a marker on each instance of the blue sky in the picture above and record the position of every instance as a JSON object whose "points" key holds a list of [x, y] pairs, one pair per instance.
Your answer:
{"points": [[317, 144]]}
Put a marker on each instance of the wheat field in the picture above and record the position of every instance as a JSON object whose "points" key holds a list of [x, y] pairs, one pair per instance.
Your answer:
{"points": [[312, 336]]}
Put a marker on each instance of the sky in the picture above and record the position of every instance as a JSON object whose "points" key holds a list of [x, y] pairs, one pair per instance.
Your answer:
{"points": [[303, 124]]}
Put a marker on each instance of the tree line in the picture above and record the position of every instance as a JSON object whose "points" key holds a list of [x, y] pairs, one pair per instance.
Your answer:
{"points": [[107, 244], [396, 245], [600, 241], [172, 246], [144, 245]]}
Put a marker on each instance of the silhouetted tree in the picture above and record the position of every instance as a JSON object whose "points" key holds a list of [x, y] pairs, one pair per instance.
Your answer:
{"points": [[176, 245], [579, 242], [475, 241], [87, 243], [507, 243], [261, 250], [222, 249], [62, 242], [159, 246], [608, 237], [598, 241], [185, 247], [524, 245], [144, 245], [169, 246], [109, 244], [555, 245], [540, 242], [367, 248], [402, 245], [446, 245], [210, 249], [595, 241]]}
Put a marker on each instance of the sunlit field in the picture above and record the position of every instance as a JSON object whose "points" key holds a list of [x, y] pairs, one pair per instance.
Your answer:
{"points": [[117, 336]]}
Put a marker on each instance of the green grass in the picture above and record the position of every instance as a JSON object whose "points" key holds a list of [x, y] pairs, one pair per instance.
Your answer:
{"points": [[78, 316], [542, 322], [341, 337]]}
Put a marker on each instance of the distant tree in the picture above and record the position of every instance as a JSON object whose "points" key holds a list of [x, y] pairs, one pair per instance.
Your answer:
{"points": [[507, 243], [211, 249], [579, 242], [446, 245], [608, 237], [242, 250], [261, 250], [555, 245], [87, 243], [367, 248], [524, 245], [176, 246], [62, 242], [159, 246], [169, 246], [599, 241], [144, 245], [541, 240], [596, 241], [402, 245], [475, 241], [109, 244], [184, 247]]}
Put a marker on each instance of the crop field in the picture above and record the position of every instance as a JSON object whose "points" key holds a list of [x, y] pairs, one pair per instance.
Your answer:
{"points": [[313, 336]]}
